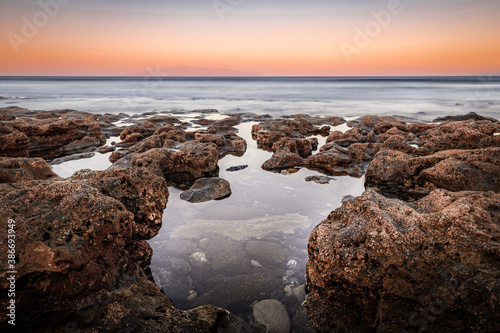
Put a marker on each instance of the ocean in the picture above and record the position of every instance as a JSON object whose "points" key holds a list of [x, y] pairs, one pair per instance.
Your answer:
{"points": [[423, 98]]}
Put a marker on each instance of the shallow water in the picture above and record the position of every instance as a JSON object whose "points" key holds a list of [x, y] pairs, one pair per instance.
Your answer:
{"points": [[278, 209]]}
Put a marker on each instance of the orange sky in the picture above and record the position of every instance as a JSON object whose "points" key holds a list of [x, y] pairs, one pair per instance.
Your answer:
{"points": [[262, 37]]}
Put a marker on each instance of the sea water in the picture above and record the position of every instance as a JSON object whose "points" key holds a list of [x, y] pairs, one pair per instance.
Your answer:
{"points": [[423, 98]]}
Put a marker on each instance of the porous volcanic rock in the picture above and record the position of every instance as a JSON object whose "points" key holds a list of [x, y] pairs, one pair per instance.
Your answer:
{"points": [[51, 135], [455, 170], [80, 256], [378, 264], [183, 165], [13, 143], [14, 170]]}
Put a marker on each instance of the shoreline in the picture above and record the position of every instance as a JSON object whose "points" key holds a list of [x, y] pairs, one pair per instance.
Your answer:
{"points": [[412, 161]]}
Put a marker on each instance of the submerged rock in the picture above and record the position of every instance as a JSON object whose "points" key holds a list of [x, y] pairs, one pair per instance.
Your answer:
{"points": [[273, 315], [206, 189], [379, 264]]}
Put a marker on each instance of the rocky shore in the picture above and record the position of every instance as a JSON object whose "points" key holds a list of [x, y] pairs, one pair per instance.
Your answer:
{"points": [[417, 251]]}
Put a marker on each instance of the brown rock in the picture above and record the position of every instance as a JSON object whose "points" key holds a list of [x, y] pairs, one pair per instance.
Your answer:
{"points": [[377, 264], [13, 143], [454, 170], [48, 135], [79, 255], [14, 170], [190, 161], [145, 129], [206, 189], [142, 193]]}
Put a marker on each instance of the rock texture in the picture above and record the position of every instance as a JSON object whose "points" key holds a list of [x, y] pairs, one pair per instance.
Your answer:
{"points": [[379, 264], [43, 134], [81, 251], [206, 189]]}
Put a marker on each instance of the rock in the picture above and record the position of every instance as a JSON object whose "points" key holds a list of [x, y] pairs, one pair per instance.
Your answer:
{"points": [[378, 264], [300, 322], [73, 157], [227, 256], [319, 179], [237, 168], [238, 292], [142, 130], [206, 189], [190, 161], [81, 246], [13, 143], [55, 136], [142, 193], [283, 159], [14, 170], [273, 315], [106, 149], [79, 145], [454, 170], [237, 325], [336, 161], [266, 252], [271, 131], [468, 116], [347, 198]]}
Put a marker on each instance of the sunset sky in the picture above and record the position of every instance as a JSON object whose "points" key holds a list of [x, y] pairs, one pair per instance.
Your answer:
{"points": [[250, 37]]}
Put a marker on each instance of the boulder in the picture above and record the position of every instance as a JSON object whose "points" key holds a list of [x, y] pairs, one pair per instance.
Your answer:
{"points": [[378, 264], [273, 315], [14, 170], [13, 143], [455, 170], [79, 254]]}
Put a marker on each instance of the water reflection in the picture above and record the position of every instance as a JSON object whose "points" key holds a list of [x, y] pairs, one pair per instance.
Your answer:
{"points": [[256, 238]]}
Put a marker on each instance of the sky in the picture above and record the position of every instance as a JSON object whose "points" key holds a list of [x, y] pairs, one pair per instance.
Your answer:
{"points": [[250, 37]]}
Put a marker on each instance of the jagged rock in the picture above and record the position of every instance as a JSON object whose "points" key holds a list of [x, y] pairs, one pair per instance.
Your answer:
{"points": [[455, 170], [13, 143], [106, 149], [190, 161], [14, 170], [80, 245], [206, 189], [145, 129], [378, 264], [53, 136], [143, 194]]}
